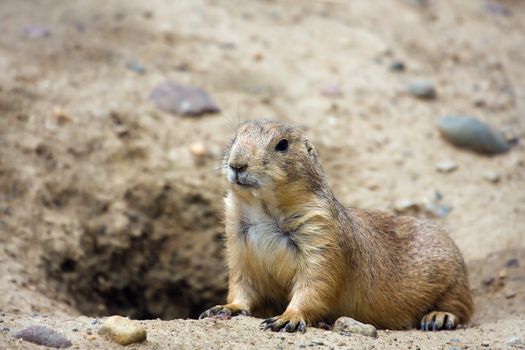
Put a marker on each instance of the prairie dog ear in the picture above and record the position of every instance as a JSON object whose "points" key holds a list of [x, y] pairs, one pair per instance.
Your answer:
{"points": [[311, 150]]}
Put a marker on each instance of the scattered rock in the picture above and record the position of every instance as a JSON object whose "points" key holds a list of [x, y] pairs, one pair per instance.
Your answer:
{"points": [[36, 32], [349, 325], [446, 167], [485, 343], [510, 295], [497, 8], [491, 176], [397, 66], [423, 89], [331, 90], [181, 99], [135, 66], [468, 132], [515, 341], [488, 280], [43, 336], [437, 210], [88, 336], [513, 262], [197, 149], [199, 152], [406, 206], [122, 330]]}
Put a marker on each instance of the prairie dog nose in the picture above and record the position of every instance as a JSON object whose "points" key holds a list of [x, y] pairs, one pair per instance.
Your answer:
{"points": [[238, 167]]}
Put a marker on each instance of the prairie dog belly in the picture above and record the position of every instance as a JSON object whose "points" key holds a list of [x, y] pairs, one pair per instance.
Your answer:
{"points": [[271, 250]]}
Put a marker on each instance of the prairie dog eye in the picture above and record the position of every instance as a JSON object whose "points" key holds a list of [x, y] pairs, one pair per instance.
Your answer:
{"points": [[282, 146]]}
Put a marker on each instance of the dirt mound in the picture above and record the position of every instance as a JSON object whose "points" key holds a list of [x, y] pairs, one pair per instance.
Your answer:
{"points": [[108, 205]]}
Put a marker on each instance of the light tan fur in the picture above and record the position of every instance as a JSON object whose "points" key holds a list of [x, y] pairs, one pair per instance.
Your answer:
{"points": [[294, 251]]}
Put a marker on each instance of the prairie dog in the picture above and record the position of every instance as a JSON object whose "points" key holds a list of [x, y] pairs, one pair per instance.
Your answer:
{"points": [[294, 251]]}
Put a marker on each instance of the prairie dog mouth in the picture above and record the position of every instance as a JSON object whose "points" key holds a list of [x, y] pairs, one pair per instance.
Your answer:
{"points": [[241, 179]]}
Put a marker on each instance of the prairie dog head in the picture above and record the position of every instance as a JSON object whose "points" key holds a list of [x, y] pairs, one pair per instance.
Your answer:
{"points": [[269, 156]]}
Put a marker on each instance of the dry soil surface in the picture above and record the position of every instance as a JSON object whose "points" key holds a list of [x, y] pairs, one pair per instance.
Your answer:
{"points": [[81, 145]]}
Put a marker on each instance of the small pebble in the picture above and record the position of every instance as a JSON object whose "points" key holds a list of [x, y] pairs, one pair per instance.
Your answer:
{"points": [[135, 66], [43, 336], [5, 330], [488, 280], [468, 132], [397, 66], [198, 149], [485, 343], [437, 210], [446, 167], [510, 295], [349, 325], [513, 262], [423, 89], [407, 206], [497, 8], [181, 99], [93, 322], [515, 341], [36, 32], [123, 331], [331, 90], [491, 176]]}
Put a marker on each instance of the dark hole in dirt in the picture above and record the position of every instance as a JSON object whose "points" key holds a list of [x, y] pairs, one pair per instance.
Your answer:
{"points": [[157, 254], [68, 265]]}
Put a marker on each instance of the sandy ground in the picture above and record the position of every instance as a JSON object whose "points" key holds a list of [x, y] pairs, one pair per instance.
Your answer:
{"points": [[75, 120]]}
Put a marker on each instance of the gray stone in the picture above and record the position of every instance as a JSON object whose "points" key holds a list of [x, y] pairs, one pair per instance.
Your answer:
{"points": [[43, 336], [437, 210], [37, 32], [135, 66], [349, 325], [181, 99], [515, 341], [446, 167], [513, 262], [423, 89], [470, 133], [123, 331], [397, 66], [491, 176], [407, 207]]}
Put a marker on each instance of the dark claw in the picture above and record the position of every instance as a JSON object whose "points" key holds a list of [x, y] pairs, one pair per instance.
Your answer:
{"points": [[204, 314], [266, 326], [268, 320], [302, 327], [223, 314]]}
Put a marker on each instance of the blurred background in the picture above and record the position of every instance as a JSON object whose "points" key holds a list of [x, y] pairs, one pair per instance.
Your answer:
{"points": [[113, 116]]}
